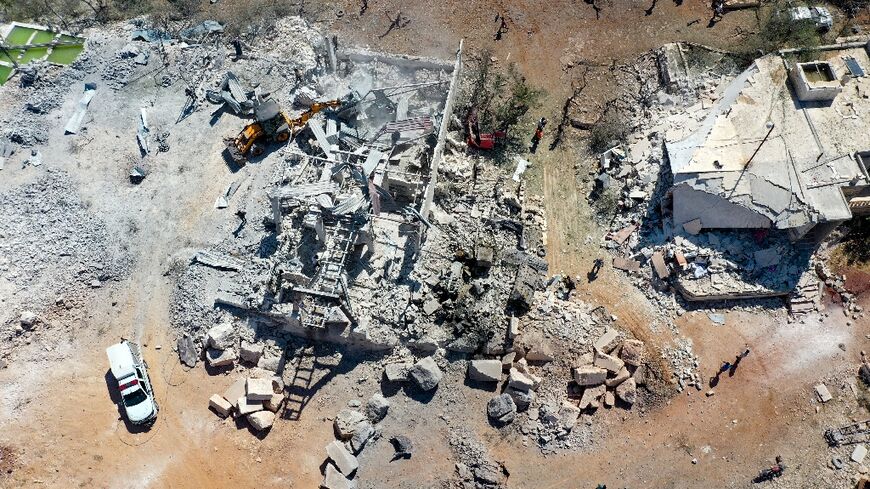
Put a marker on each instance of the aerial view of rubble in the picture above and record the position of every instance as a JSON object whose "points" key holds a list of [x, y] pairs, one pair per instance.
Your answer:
{"points": [[483, 244]]}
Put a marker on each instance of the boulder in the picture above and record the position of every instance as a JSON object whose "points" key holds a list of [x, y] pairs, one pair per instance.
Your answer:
{"points": [[485, 370], [589, 375], [220, 405], [501, 409], [333, 479], [397, 372], [426, 374], [259, 389], [520, 381], [377, 407], [28, 319], [523, 399], [608, 341], [250, 352], [362, 432], [621, 377], [608, 362], [187, 351], [345, 423], [568, 416], [343, 459], [221, 337], [261, 420], [627, 391], [591, 396], [247, 406], [632, 352], [220, 358]]}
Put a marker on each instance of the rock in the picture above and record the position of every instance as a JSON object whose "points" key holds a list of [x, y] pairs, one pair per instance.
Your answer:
{"points": [[334, 480], [220, 358], [426, 374], [520, 381], [621, 377], [259, 389], [632, 352], [501, 409], [639, 375], [858, 454], [220, 405], [221, 337], [247, 406], [250, 352], [377, 407], [585, 359], [864, 373], [485, 370], [261, 420], [608, 362], [345, 423], [397, 372], [28, 319], [362, 432], [823, 393], [271, 360], [627, 391], [430, 306], [589, 375], [568, 415], [274, 402], [609, 399], [236, 390], [186, 351], [608, 341], [591, 396], [343, 459], [402, 445], [523, 399], [508, 360], [540, 350]]}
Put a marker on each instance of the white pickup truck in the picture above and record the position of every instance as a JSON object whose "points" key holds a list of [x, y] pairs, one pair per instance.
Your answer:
{"points": [[133, 383]]}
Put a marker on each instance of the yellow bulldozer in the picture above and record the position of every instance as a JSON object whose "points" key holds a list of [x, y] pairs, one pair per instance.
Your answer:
{"points": [[271, 124]]}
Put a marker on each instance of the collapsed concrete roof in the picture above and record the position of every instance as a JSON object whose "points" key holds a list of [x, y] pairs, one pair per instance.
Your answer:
{"points": [[763, 158]]}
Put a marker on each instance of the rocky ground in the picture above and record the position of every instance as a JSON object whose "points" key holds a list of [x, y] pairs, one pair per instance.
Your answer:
{"points": [[93, 258]]}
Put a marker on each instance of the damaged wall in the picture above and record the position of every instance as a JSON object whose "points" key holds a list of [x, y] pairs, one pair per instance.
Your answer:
{"points": [[714, 212]]}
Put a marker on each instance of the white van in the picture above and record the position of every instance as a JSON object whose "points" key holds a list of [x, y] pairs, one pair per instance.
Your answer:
{"points": [[133, 383]]}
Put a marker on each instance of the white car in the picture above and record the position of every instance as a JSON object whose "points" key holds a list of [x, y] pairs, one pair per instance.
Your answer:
{"points": [[137, 395]]}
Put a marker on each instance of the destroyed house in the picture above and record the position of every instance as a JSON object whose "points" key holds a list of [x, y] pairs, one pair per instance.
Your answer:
{"points": [[785, 147]]}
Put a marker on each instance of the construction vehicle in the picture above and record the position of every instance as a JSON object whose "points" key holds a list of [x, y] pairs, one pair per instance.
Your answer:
{"points": [[271, 124], [475, 139]]}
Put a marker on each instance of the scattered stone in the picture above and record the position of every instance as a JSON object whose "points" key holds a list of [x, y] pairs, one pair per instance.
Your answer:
{"points": [[221, 337], [362, 432], [823, 393], [507, 361], [403, 446], [608, 341], [377, 407], [627, 391], [522, 399], [859, 453], [621, 377], [589, 375], [28, 319], [520, 381], [632, 352], [251, 352], [609, 399], [608, 362], [591, 396], [220, 405], [485, 370], [187, 351], [397, 372], [259, 389], [568, 415], [247, 406], [261, 420], [343, 459], [345, 423], [501, 409], [333, 479], [274, 402], [220, 358], [426, 374]]}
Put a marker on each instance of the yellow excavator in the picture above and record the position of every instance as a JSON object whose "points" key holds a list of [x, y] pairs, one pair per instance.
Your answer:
{"points": [[271, 124]]}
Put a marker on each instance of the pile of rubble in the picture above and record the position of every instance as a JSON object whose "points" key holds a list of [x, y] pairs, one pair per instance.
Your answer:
{"points": [[353, 431], [255, 398]]}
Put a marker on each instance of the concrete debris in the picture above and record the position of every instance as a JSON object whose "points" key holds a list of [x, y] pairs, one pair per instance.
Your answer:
{"points": [[236, 390], [520, 381], [627, 391], [259, 389], [620, 377], [589, 375], [426, 374], [362, 433], [403, 446], [218, 261], [858, 454], [346, 462], [717, 318], [75, 121], [397, 372], [261, 420], [221, 358], [608, 341], [632, 352], [346, 422], [522, 399], [333, 479], [246, 406], [610, 363], [823, 393], [626, 264], [377, 407], [591, 395], [485, 370], [568, 415], [693, 227], [221, 336], [221, 406], [274, 402], [501, 409], [250, 352]]}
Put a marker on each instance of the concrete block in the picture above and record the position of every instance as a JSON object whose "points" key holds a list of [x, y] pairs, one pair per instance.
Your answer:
{"points": [[259, 389], [589, 375], [621, 377], [585, 359], [343, 459], [334, 480], [251, 352], [362, 433], [520, 381], [632, 352], [658, 263], [236, 390], [345, 423], [823, 393], [247, 406], [627, 391], [426, 374], [608, 362], [220, 358], [274, 403], [507, 361], [591, 396], [220, 405], [261, 420], [608, 341], [485, 370]]}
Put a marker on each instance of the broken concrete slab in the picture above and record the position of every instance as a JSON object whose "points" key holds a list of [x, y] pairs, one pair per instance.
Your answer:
{"points": [[221, 337], [485, 370], [250, 352], [274, 402], [823, 393], [247, 406], [623, 234], [608, 341], [261, 420], [658, 263], [220, 358], [620, 377], [426, 374], [259, 389], [333, 479], [345, 423], [626, 264], [693, 227], [608, 362], [346, 462], [221, 406], [75, 121], [627, 391], [589, 375], [236, 390]]}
